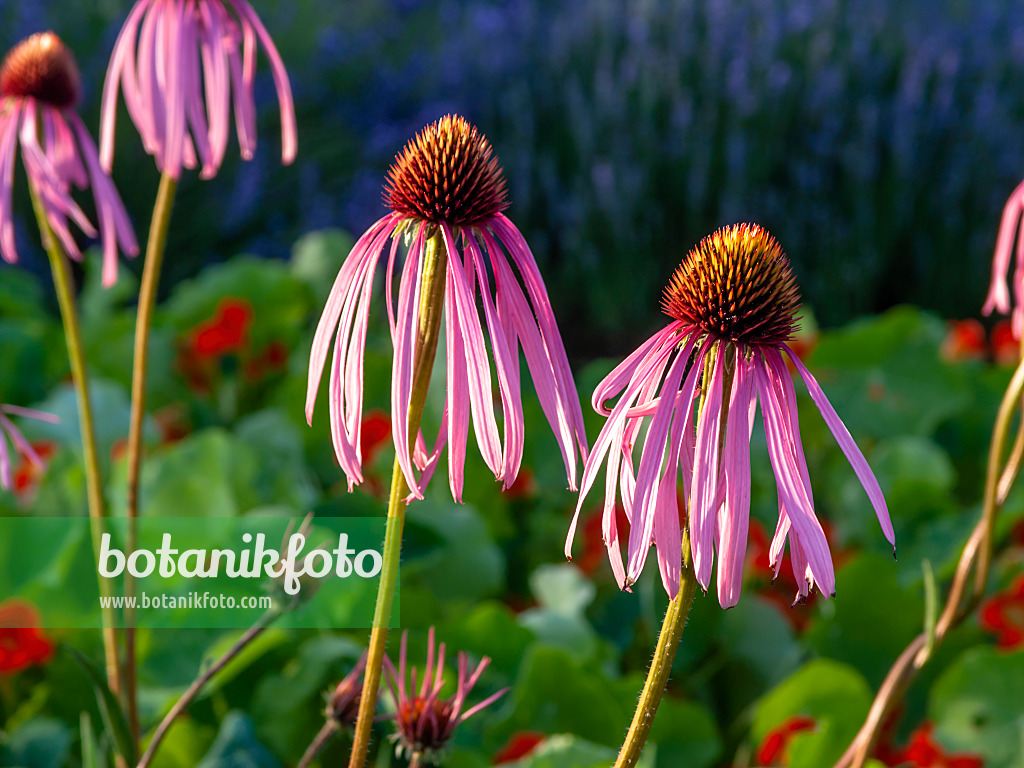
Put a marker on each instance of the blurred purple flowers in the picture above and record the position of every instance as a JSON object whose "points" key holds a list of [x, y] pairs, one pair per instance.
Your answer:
{"points": [[425, 721], [17, 439], [39, 87], [447, 183], [733, 300], [181, 64]]}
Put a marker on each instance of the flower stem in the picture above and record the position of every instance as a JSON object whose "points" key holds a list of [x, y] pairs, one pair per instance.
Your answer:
{"points": [[193, 690], [316, 746], [435, 263], [93, 478], [147, 300], [661, 664]]}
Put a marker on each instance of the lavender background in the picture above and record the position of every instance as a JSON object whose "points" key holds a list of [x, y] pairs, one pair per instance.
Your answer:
{"points": [[877, 140]]}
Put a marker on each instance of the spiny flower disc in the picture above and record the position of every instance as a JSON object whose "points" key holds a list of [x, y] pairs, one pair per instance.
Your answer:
{"points": [[737, 285], [43, 68], [423, 723], [447, 174]]}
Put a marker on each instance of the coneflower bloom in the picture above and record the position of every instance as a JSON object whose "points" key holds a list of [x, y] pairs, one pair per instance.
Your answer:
{"points": [[699, 379], [181, 65], [1011, 232], [20, 444], [446, 181], [39, 87], [424, 720]]}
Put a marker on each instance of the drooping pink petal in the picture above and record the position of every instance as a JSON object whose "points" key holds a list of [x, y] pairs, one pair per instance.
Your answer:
{"points": [[848, 446], [507, 371], [706, 476], [568, 401], [332, 310], [734, 514], [458, 392], [641, 533], [5, 463], [798, 506], [402, 368], [999, 296], [480, 397], [289, 133], [122, 66], [10, 117]]}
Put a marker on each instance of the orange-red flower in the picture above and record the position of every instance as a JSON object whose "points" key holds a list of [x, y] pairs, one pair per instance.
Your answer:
{"points": [[1003, 615], [774, 747], [965, 340], [519, 745], [922, 751], [22, 642]]}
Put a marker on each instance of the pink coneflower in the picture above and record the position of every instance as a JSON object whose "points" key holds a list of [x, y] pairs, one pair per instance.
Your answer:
{"points": [[20, 443], [425, 721], [733, 300], [181, 64], [446, 182], [39, 87], [999, 291]]}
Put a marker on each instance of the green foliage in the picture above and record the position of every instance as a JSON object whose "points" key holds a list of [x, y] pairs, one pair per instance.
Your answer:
{"points": [[490, 574]]}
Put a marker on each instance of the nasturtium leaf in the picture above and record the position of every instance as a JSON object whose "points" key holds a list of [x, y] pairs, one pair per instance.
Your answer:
{"points": [[978, 706], [489, 629], [465, 565], [555, 693], [39, 743], [317, 257], [869, 597], [834, 694], [884, 375], [684, 733], [236, 746]]}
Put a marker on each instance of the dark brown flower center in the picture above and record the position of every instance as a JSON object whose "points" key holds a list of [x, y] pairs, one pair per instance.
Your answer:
{"points": [[343, 704], [41, 67], [448, 174], [423, 725], [737, 285]]}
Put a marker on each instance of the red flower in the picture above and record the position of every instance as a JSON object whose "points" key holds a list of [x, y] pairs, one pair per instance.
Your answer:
{"points": [[27, 473], [374, 435], [965, 340], [774, 746], [22, 642], [1003, 614], [227, 331], [1005, 348], [594, 549], [523, 487], [520, 744], [924, 752]]}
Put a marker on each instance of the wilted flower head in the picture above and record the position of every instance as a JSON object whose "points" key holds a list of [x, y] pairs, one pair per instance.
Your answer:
{"points": [[343, 702], [699, 379], [447, 181], [39, 87], [20, 443], [181, 64], [1011, 232], [426, 721]]}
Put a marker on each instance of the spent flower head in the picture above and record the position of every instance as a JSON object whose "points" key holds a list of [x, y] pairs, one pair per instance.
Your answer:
{"points": [[182, 65], [343, 701], [425, 721], [447, 184], [697, 383], [39, 88]]}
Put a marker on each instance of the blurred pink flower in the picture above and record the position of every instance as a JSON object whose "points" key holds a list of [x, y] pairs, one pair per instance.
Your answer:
{"points": [[1011, 229], [425, 721], [39, 87], [447, 180], [181, 64], [20, 443], [733, 297]]}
